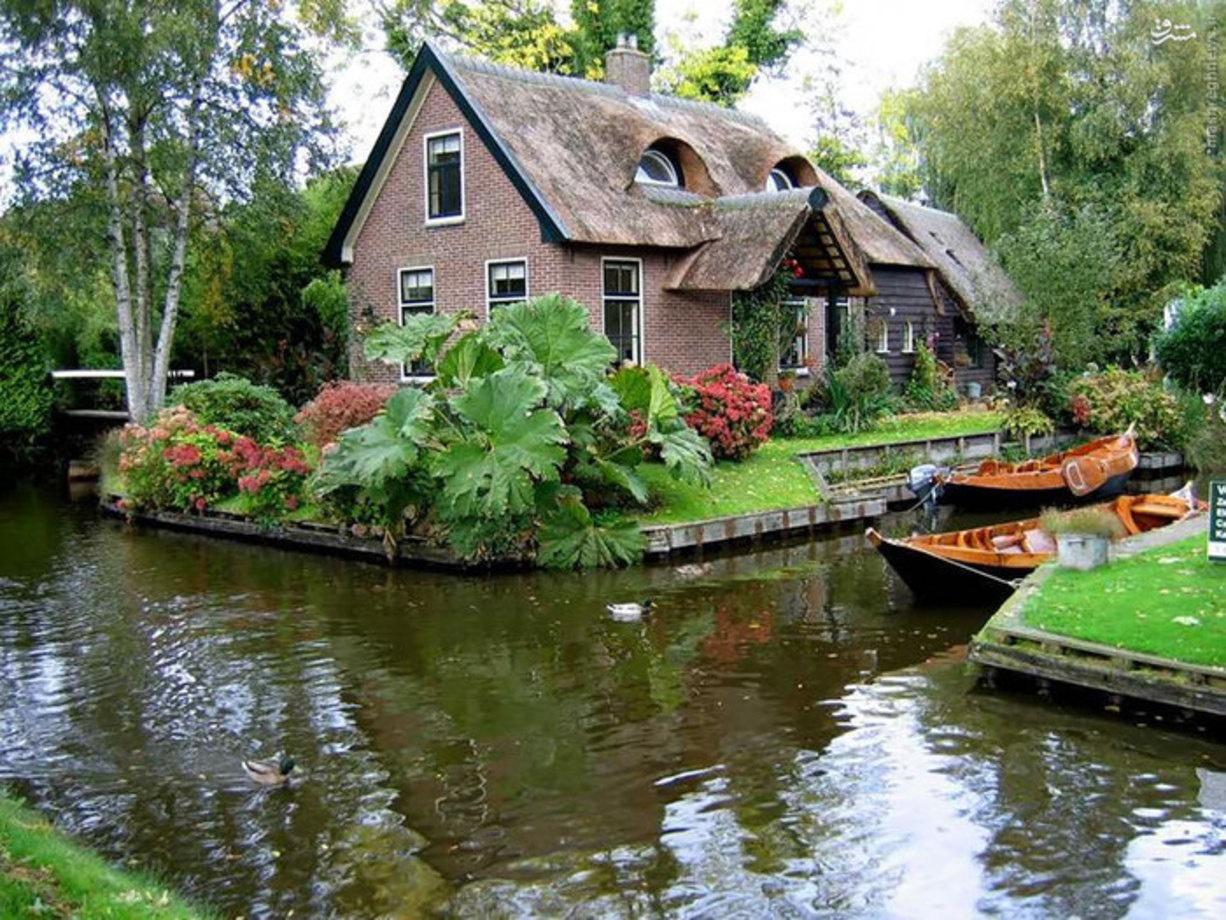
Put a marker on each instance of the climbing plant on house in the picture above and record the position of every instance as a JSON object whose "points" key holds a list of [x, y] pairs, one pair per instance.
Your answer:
{"points": [[761, 328], [522, 446]]}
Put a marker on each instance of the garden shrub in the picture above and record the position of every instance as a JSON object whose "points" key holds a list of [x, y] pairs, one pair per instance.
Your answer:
{"points": [[177, 463], [856, 395], [929, 387], [729, 410], [1193, 351], [237, 404], [339, 406], [1111, 401], [1204, 442], [25, 396], [519, 435], [1025, 422]]}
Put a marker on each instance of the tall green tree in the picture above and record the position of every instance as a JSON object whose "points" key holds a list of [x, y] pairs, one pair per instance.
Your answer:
{"points": [[519, 33], [1067, 105], [599, 23], [166, 108], [753, 44]]}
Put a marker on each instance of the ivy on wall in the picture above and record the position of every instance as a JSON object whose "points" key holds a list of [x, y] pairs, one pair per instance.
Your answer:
{"points": [[762, 326]]}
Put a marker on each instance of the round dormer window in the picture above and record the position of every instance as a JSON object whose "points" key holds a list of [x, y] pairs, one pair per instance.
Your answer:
{"points": [[655, 168], [778, 181]]}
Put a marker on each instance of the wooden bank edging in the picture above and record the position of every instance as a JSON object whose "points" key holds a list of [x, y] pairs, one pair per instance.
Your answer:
{"points": [[664, 541], [1006, 642]]}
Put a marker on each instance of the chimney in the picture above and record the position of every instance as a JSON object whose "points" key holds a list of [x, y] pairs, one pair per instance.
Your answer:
{"points": [[627, 67]]}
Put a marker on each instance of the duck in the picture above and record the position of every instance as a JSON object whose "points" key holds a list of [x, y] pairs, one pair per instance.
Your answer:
{"points": [[629, 612], [269, 772]]}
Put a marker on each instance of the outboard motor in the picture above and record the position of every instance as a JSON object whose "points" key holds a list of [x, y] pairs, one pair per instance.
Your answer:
{"points": [[922, 480]]}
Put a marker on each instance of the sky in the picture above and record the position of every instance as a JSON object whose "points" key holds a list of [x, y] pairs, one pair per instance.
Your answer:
{"points": [[885, 43]]}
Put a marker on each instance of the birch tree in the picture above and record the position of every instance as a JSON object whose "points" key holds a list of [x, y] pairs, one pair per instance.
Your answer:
{"points": [[170, 108]]}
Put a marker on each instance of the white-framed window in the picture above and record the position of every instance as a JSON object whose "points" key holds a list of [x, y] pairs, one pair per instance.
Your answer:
{"points": [[655, 168], [444, 171], [506, 281], [908, 338], [778, 181], [622, 297], [415, 292], [883, 337], [794, 356]]}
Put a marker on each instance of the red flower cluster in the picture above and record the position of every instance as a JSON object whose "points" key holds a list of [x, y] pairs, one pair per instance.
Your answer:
{"points": [[339, 406], [729, 410], [179, 463], [1081, 410], [794, 267]]}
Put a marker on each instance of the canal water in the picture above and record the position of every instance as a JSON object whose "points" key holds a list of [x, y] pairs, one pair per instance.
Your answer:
{"points": [[784, 736]]}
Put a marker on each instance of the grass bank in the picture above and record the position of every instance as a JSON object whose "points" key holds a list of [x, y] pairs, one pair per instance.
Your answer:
{"points": [[773, 478], [1166, 601], [45, 874]]}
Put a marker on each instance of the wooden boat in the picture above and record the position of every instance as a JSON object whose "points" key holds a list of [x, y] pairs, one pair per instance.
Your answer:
{"points": [[1090, 472], [984, 564]]}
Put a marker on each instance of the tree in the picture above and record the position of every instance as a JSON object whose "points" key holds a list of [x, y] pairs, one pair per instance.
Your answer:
{"points": [[168, 109], [518, 33], [1072, 106], [752, 45], [598, 23]]}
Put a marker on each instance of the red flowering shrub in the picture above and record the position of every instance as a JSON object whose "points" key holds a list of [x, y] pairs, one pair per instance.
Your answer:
{"points": [[339, 406], [179, 464], [273, 478], [729, 410]]}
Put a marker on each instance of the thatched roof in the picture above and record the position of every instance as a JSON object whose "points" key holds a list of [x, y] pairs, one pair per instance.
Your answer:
{"points": [[969, 270], [572, 148], [755, 232]]}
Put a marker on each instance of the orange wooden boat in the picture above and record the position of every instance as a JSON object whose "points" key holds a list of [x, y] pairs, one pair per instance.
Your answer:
{"points": [[985, 563], [1090, 472]]}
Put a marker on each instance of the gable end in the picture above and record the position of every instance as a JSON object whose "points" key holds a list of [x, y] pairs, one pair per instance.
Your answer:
{"points": [[427, 67]]}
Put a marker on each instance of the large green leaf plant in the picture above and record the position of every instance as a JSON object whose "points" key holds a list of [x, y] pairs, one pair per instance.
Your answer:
{"points": [[523, 446]]}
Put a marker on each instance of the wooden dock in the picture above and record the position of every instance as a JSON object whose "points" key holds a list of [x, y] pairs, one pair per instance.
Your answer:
{"points": [[1009, 644]]}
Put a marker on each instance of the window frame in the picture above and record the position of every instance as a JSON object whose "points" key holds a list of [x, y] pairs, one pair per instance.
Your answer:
{"points": [[425, 171], [770, 185], [883, 338], [605, 297], [800, 369], [407, 374], [908, 338], [666, 161], [490, 300]]}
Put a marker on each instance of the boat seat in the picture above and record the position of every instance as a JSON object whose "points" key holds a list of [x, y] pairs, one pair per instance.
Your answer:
{"points": [[1155, 510], [1005, 541], [1038, 541]]}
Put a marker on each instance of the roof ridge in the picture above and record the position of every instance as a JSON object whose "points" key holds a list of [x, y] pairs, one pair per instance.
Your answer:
{"points": [[763, 198], [582, 84]]}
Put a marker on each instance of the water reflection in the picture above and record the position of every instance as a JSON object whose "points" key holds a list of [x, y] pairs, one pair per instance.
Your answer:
{"points": [[783, 735]]}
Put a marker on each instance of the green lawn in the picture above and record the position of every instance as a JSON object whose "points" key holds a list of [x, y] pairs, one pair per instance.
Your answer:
{"points": [[1167, 601], [772, 478], [44, 874]]}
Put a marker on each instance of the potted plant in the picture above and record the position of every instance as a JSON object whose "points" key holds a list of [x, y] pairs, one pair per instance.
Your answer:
{"points": [[1082, 536]]}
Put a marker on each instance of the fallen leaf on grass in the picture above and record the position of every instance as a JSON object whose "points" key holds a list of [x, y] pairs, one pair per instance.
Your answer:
{"points": [[1186, 621]]}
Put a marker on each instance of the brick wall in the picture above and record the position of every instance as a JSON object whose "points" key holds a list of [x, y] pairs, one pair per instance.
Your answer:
{"points": [[682, 332]]}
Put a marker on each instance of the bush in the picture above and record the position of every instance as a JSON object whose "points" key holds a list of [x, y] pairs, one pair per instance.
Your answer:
{"points": [[177, 463], [930, 388], [25, 397], [730, 411], [1022, 422], [855, 395], [238, 405], [1205, 438], [339, 406], [1110, 402], [1193, 351]]}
